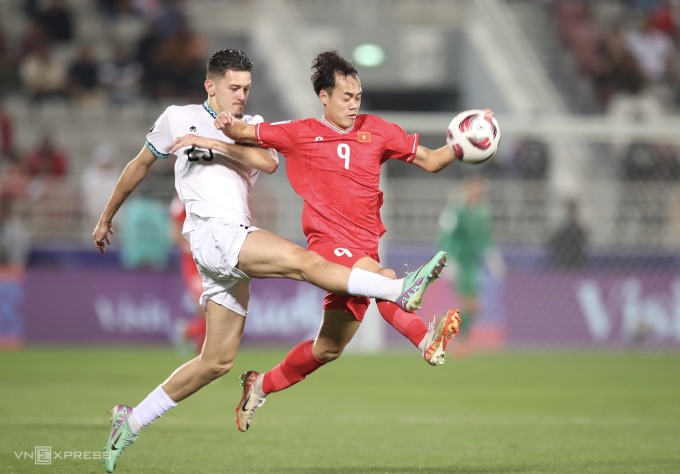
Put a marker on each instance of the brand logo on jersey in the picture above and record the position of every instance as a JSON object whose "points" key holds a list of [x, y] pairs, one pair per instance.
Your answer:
{"points": [[364, 137], [318, 139], [192, 129]]}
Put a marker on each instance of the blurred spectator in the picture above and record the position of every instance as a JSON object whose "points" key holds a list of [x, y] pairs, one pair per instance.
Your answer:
{"points": [[114, 9], [629, 97], [46, 159], [168, 15], [14, 239], [618, 73], [97, 181], [652, 49], [669, 161], [14, 180], [146, 49], [567, 246], [83, 82], [7, 65], [7, 150], [532, 159], [42, 76], [122, 76], [31, 38], [145, 239], [639, 162], [31, 8], [56, 19], [650, 161], [663, 18], [182, 58], [645, 5]]}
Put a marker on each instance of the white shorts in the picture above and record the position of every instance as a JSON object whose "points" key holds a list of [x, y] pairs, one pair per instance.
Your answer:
{"points": [[215, 246]]}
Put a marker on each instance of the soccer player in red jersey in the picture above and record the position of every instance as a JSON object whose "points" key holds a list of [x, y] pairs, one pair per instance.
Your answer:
{"points": [[195, 329], [334, 164]]}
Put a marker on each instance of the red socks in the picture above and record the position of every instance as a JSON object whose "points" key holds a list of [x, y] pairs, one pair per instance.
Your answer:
{"points": [[299, 363], [409, 324]]}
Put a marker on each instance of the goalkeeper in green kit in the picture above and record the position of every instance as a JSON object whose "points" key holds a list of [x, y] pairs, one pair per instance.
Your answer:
{"points": [[465, 233]]}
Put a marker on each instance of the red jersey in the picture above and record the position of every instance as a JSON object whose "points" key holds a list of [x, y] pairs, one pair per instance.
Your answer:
{"points": [[192, 279], [337, 173], [177, 211]]}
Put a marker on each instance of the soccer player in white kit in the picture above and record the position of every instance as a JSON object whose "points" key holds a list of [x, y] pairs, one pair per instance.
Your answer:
{"points": [[214, 185]]}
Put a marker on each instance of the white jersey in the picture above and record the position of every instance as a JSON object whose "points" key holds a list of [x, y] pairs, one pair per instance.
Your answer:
{"points": [[210, 184]]}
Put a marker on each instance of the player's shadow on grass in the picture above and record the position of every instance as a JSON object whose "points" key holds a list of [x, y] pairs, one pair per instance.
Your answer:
{"points": [[402, 470]]}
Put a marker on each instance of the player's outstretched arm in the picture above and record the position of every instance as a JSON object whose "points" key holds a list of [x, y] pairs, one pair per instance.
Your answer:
{"points": [[433, 160], [255, 156], [235, 129], [132, 175], [436, 160]]}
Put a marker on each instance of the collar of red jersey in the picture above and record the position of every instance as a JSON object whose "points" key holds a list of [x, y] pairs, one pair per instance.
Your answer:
{"points": [[333, 127]]}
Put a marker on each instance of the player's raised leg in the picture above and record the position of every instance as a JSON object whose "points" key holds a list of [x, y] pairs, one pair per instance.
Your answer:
{"points": [[267, 255], [432, 340]]}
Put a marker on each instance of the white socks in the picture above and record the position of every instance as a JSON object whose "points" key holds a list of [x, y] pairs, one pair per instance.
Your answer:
{"points": [[155, 405], [423, 343], [257, 386], [365, 283]]}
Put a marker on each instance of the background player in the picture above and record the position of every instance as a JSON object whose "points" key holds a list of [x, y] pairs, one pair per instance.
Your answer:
{"points": [[214, 186], [334, 164], [194, 330], [465, 232]]}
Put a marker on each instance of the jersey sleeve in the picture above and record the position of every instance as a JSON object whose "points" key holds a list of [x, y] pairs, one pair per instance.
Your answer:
{"points": [[160, 137], [278, 135], [256, 120], [398, 144]]}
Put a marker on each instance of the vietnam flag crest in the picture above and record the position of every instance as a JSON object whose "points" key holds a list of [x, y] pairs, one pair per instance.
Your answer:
{"points": [[364, 137]]}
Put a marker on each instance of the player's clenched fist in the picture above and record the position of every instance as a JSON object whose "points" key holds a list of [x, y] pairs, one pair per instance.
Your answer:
{"points": [[224, 119]]}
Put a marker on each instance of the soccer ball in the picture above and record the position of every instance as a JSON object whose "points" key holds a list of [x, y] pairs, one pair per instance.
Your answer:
{"points": [[473, 136]]}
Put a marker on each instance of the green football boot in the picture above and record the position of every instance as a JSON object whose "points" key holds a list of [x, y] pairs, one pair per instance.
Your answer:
{"points": [[121, 436], [415, 283]]}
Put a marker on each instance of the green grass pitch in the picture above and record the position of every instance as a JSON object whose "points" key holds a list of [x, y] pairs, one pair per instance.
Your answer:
{"points": [[528, 412]]}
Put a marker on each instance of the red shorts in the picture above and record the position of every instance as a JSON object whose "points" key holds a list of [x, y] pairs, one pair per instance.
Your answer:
{"points": [[347, 257]]}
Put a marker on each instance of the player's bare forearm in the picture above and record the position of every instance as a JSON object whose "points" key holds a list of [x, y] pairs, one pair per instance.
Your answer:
{"points": [[253, 156], [235, 129], [433, 161], [132, 175]]}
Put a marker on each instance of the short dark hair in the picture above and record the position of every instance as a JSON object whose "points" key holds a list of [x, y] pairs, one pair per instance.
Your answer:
{"points": [[324, 68], [227, 60]]}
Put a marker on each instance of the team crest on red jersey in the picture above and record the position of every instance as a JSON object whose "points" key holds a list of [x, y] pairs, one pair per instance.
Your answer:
{"points": [[364, 137]]}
